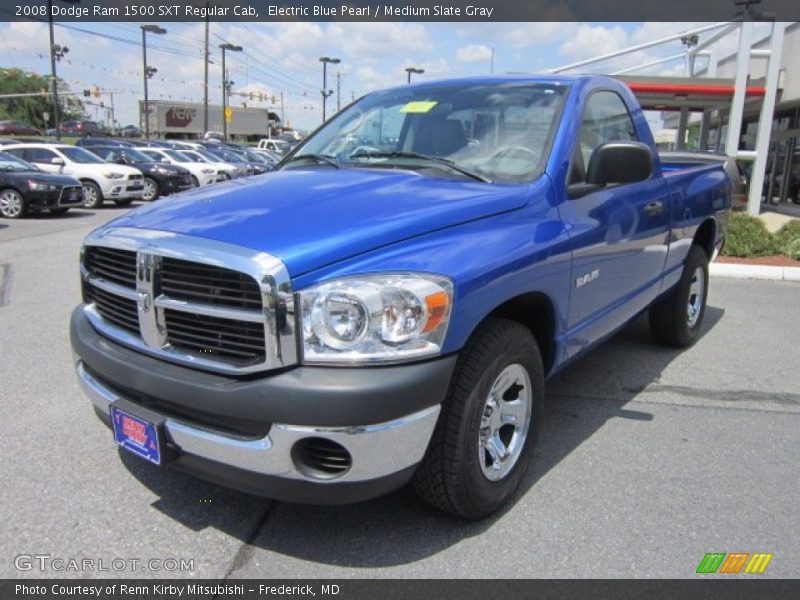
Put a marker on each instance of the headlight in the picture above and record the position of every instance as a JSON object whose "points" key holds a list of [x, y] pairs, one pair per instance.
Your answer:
{"points": [[114, 175], [207, 171], [376, 318], [41, 186], [162, 171]]}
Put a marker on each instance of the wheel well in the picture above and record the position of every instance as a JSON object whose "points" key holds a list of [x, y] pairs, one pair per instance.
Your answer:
{"points": [[704, 237], [534, 311]]}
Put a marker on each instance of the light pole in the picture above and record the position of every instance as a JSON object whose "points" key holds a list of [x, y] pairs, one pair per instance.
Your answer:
{"points": [[414, 70], [148, 72], [325, 91], [226, 85], [56, 53]]}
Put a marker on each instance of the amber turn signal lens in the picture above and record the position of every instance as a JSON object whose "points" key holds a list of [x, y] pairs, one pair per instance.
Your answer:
{"points": [[437, 309]]}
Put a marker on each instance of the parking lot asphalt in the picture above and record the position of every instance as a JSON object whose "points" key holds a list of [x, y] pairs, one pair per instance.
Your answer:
{"points": [[649, 458]]}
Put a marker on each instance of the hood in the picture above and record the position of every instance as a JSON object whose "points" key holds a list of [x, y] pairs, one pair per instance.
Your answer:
{"points": [[50, 178], [313, 217]]}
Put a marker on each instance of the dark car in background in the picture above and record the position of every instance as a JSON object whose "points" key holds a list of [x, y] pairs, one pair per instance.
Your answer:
{"points": [[17, 128], [130, 131], [25, 188], [160, 179], [81, 127]]}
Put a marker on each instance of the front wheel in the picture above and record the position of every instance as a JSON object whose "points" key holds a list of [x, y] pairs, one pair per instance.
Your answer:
{"points": [[12, 204], [675, 319], [92, 196], [151, 190], [489, 423]]}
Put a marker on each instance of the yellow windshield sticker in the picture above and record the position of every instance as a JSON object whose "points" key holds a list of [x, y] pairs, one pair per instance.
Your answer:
{"points": [[420, 106]]}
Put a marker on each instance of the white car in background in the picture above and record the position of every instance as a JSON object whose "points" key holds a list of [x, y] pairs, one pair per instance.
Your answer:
{"points": [[202, 173], [201, 156], [101, 180], [279, 146]]}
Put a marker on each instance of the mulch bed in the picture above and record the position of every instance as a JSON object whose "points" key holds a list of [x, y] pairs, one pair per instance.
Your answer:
{"points": [[772, 261]]}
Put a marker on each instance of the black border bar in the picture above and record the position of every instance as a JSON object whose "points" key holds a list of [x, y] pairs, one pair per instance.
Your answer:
{"points": [[403, 10]]}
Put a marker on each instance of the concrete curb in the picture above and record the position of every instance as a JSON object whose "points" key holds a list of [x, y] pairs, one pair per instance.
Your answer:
{"points": [[739, 271]]}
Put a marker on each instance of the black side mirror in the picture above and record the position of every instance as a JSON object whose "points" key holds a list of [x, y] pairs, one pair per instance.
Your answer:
{"points": [[620, 162]]}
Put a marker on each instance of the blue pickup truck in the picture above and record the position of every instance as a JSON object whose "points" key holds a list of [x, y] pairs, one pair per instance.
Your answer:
{"points": [[384, 308]]}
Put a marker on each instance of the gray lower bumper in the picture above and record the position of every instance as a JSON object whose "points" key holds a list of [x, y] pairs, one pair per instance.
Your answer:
{"points": [[377, 450]]}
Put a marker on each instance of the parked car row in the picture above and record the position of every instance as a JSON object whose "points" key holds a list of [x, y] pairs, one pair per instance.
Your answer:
{"points": [[24, 187], [121, 171]]}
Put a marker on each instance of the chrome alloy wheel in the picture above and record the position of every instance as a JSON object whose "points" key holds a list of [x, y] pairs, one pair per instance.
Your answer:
{"points": [[696, 294], [505, 421], [10, 204], [89, 196], [150, 190]]}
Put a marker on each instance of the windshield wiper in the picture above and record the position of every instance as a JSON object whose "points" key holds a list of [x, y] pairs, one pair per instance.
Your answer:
{"points": [[320, 158], [418, 156]]}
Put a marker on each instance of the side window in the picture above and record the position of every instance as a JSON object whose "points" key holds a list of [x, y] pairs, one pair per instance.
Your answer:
{"points": [[41, 155], [605, 119], [19, 153]]}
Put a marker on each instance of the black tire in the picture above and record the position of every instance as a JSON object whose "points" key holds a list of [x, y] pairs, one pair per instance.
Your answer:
{"points": [[151, 186], [57, 212], [450, 476], [674, 320], [12, 204], [195, 181], [92, 196]]}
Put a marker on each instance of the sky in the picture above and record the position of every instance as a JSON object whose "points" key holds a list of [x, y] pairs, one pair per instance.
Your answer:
{"points": [[283, 57]]}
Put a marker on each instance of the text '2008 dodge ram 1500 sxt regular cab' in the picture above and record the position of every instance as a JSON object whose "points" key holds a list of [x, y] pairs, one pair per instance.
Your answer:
{"points": [[385, 306]]}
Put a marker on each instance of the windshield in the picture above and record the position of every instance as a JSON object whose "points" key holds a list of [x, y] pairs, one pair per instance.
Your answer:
{"points": [[229, 157], [10, 163], [193, 156], [498, 131], [136, 156], [80, 156], [177, 156]]}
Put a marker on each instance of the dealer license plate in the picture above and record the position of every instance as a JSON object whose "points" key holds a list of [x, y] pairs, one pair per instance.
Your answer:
{"points": [[136, 435]]}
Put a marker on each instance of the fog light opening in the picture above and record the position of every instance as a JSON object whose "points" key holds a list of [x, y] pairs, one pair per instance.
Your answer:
{"points": [[321, 458]]}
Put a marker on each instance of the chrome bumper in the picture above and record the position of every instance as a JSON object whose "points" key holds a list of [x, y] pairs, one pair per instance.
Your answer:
{"points": [[377, 450]]}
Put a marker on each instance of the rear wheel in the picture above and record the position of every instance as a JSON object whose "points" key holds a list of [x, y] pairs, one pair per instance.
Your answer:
{"points": [[92, 196], [12, 204], [489, 423], [675, 320], [151, 190]]}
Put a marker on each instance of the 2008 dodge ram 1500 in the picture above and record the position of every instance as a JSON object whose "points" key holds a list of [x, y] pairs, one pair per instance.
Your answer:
{"points": [[385, 307]]}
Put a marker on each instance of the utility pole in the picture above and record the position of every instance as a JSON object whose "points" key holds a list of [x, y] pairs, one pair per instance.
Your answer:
{"points": [[56, 53], [113, 118], [148, 72], [226, 84], [205, 78], [491, 64], [283, 112], [338, 91], [325, 91]]}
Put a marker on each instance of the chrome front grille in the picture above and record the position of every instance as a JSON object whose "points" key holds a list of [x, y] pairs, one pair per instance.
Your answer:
{"points": [[170, 295], [110, 264], [237, 340], [120, 311], [195, 282]]}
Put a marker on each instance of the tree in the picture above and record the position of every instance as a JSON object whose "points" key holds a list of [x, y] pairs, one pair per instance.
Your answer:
{"points": [[31, 109]]}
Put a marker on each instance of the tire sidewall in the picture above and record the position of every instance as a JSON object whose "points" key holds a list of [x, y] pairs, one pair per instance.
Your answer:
{"points": [[696, 258], [23, 207], [485, 495], [98, 202], [156, 187]]}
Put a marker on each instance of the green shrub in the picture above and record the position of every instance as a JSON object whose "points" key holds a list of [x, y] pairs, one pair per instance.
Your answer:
{"points": [[748, 236], [788, 239]]}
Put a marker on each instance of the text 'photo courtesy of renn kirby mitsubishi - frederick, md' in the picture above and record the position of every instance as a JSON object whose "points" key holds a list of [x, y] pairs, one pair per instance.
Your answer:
{"points": [[399, 299]]}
